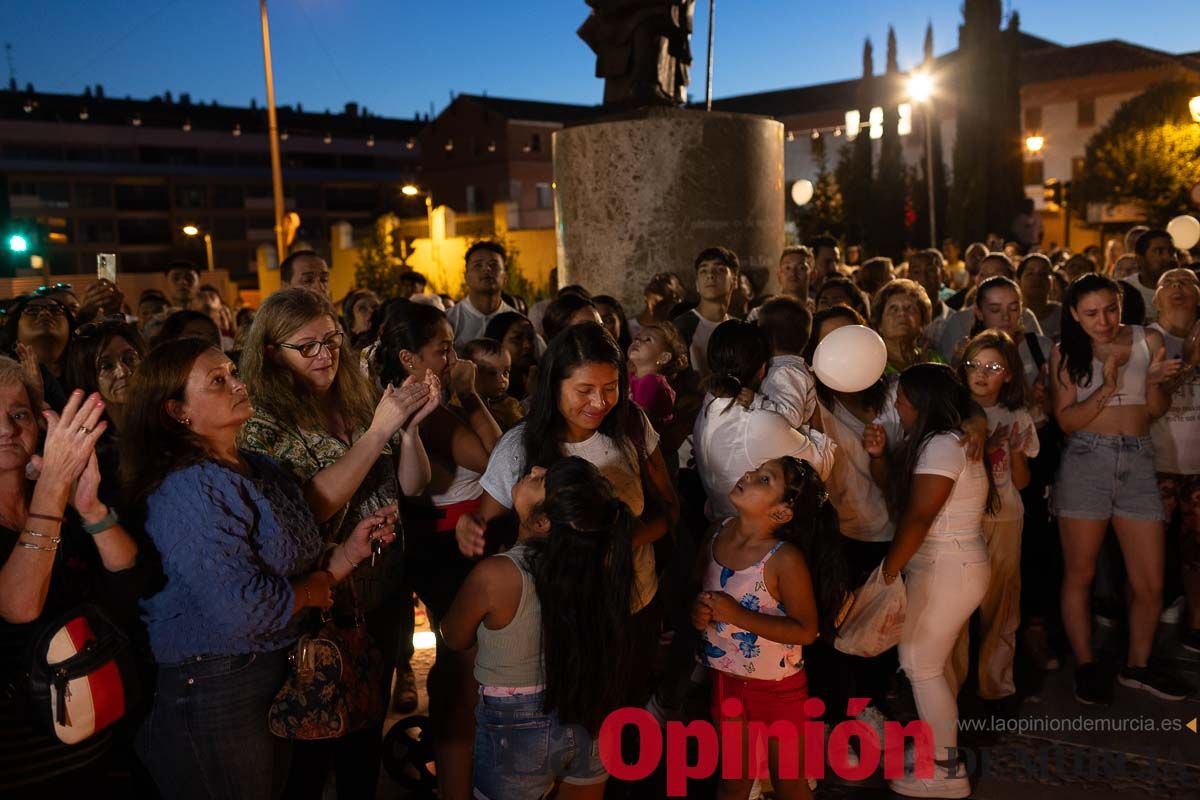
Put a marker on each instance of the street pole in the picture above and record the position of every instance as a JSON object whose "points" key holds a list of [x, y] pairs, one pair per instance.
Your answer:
{"points": [[712, 10], [273, 137], [929, 172], [208, 250], [434, 250]]}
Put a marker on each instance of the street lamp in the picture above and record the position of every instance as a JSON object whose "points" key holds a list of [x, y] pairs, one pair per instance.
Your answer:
{"points": [[920, 89], [411, 190], [192, 230], [1035, 143], [1194, 107]]}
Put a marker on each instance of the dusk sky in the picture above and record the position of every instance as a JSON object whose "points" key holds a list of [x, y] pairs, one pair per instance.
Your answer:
{"points": [[397, 57]]}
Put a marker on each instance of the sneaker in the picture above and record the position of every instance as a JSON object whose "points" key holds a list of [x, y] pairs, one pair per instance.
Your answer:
{"points": [[1191, 641], [1037, 643], [942, 784], [1172, 613], [1092, 688], [404, 693], [1160, 683]]}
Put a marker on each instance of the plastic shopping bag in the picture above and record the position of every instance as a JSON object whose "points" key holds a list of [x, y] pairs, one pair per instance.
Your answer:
{"points": [[876, 620]]}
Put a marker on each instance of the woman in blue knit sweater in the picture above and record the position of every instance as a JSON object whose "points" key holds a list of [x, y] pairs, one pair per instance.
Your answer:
{"points": [[242, 559]]}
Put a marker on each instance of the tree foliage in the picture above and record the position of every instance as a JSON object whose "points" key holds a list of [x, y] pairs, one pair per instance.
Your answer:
{"points": [[1148, 153], [378, 267]]}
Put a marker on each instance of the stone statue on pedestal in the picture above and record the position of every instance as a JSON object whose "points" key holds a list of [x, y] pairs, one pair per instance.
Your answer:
{"points": [[642, 48]]}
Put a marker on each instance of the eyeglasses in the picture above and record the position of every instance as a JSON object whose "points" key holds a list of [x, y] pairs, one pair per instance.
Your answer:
{"points": [[51, 307], [42, 291], [994, 367], [312, 349], [113, 322], [129, 359]]}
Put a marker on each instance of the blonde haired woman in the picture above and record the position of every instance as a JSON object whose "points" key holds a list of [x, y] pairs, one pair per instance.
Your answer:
{"points": [[354, 452]]}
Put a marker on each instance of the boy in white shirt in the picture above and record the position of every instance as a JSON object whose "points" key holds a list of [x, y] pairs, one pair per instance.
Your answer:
{"points": [[788, 389]]}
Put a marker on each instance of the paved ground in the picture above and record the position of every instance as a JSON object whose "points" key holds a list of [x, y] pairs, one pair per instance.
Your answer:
{"points": [[1066, 750]]}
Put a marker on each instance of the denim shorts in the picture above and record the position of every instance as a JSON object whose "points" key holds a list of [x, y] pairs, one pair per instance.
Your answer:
{"points": [[520, 751], [1102, 476]]}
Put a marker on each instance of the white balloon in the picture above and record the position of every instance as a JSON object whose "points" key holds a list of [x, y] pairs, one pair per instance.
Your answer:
{"points": [[850, 358], [1185, 231], [802, 192]]}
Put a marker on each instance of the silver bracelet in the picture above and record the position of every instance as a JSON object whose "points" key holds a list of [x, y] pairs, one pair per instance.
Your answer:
{"points": [[38, 547]]}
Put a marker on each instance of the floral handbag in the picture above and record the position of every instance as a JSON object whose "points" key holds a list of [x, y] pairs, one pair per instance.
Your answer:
{"points": [[335, 684]]}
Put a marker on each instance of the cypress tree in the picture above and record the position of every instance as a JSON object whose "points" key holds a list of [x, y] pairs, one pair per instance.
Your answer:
{"points": [[888, 234]]}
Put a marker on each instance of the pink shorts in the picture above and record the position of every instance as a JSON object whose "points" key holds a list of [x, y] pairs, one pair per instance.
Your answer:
{"points": [[762, 701]]}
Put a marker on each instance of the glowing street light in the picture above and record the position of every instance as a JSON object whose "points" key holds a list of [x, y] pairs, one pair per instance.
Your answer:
{"points": [[920, 90], [920, 87], [18, 243], [1035, 143], [192, 230], [408, 190], [1194, 107]]}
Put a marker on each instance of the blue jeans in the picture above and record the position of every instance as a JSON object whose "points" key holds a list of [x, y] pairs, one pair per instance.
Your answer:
{"points": [[206, 736], [1102, 476], [520, 752]]}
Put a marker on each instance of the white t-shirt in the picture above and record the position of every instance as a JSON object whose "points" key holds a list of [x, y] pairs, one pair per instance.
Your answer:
{"points": [[729, 440], [932, 335], [506, 467], [789, 389], [1135, 280], [1000, 460], [699, 349], [860, 503], [1176, 434], [943, 454], [470, 323]]}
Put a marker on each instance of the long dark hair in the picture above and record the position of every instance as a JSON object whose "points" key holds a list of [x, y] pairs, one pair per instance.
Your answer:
{"points": [[737, 352], [408, 326], [588, 343], [942, 405], [814, 529], [1074, 344], [153, 443], [559, 312], [874, 396], [583, 573]]}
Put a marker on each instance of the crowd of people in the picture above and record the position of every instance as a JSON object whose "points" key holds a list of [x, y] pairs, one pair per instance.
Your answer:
{"points": [[597, 507]]}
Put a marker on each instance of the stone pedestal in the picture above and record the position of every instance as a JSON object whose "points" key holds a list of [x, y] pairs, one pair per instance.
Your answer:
{"points": [[645, 193]]}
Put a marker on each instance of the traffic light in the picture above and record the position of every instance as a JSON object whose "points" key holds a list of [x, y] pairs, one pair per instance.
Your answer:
{"points": [[17, 243]]}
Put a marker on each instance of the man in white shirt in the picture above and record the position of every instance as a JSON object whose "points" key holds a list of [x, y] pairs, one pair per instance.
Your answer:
{"points": [[1155, 254], [305, 269], [486, 274], [927, 268], [717, 269]]}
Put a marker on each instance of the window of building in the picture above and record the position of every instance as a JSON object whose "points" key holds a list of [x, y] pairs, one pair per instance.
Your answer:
{"points": [[472, 199], [191, 197], [228, 197], [544, 196], [141, 197], [227, 229], [96, 231], [1034, 171], [93, 195], [1085, 114], [1033, 119], [515, 190], [54, 194], [535, 143], [144, 230]]}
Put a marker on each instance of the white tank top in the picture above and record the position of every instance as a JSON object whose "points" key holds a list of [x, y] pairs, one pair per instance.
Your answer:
{"points": [[1131, 376], [465, 486]]}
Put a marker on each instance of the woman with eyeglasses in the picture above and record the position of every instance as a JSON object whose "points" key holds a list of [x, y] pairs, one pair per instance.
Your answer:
{"points": [[37, 331], [102, 358], [354, 452]]}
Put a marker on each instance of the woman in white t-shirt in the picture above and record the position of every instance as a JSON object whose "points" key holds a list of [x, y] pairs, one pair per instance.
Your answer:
{"points": [[939, 546], [731, 439], [1176, 434], [581, 407]]}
